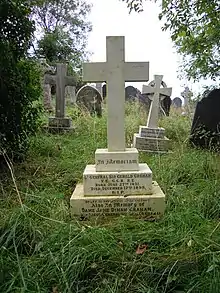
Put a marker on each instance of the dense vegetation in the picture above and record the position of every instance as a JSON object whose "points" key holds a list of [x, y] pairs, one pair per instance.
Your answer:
{"points": [[44, 250], [194, 27], [20, 87]]}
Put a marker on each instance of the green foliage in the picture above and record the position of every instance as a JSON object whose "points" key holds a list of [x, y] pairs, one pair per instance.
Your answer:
{"points": [[44, 250], [194, 27], [20, 86], [64, 29]]}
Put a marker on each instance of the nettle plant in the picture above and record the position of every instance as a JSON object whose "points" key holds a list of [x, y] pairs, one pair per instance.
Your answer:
{"points": [[20, 84]]}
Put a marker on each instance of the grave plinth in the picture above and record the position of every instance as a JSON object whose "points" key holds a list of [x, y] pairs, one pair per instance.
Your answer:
{"points": [[117, 184], [151, 138]]}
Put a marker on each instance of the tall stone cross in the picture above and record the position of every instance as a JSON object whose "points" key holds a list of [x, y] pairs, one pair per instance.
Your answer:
{"points": [[60, 80], [115, 71], [153, 117]]}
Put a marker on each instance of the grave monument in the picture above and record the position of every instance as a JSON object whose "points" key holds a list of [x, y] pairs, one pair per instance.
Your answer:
{"points": [[151, 138], [60, 122], [117, 183]]}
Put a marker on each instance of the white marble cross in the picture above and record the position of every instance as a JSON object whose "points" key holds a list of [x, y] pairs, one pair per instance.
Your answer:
{"points": [[116, 72], [153, 116]]}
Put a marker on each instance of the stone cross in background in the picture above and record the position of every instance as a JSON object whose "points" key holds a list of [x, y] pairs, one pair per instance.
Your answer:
{"points": [[164, 95], [153, 116], [61, 80], [116, 72], [151, 137], [186, 94]]}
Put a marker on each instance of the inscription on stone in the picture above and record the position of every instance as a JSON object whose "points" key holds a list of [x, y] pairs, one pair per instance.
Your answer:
{"points": [[114, 162], [117, 184], [137, 206]]}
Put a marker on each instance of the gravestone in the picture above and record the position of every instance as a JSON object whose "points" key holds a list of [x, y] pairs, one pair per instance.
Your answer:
{"points": [[47, 69], [104, 90], [165, 100], [151, 137], [70, 94], [177, 103], [60, 80], [98, 86], [133, 94], [205, 131], [90, 99], [117, 184]]}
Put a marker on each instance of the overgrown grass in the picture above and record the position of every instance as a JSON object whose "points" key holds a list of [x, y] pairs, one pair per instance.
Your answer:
{"points": [[44, 250]]}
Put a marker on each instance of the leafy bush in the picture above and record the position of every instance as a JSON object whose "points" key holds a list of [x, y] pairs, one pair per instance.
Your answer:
{"points": [[20, 86]]}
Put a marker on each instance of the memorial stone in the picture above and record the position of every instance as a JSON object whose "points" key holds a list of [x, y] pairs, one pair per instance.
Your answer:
{"points": [[151, 138], [177, 103], [90, 99], [164, 101], [98, 86], [60, 80], [70, 94], [117, 183], [205, 131]]}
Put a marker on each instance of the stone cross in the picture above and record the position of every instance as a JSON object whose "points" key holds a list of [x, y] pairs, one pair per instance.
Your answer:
{"points": [[153, 116], [61, 80], [186, 94], [115, 71]]}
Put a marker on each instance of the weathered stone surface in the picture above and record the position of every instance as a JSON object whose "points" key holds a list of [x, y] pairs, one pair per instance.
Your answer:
{"points": [[151, 144], [205, 131], [117, 183], [115, 72], [89, 98], [137, 205], [116, 161], [177, 102], [145, 131], [60, 122]]}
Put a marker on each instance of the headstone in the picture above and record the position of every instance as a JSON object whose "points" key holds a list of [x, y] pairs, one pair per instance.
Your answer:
{"points": [[70, 94], [177, 103], [98, 86], [47, 97], [133, 94], [90, 99], [47, 69], [165, 100], [60, 80], [151, 137], [104, 90], [117, 184], [205, 131]]}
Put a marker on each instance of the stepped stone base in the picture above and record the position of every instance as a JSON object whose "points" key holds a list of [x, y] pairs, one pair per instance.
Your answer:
{"points": [[151, 144], [117, 183], [137, 205], [116, 161]]}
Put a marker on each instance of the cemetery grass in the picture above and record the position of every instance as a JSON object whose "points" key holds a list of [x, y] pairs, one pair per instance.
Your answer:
{"points": [[44, 250]]}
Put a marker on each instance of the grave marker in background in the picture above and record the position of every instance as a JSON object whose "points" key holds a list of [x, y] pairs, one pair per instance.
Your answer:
{"points": [[151, 137], [61, 80], [117, 183]]}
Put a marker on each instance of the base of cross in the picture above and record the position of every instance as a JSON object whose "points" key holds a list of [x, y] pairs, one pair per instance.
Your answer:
{"points": [[151, 140], [59, 125], [111, 192]]}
